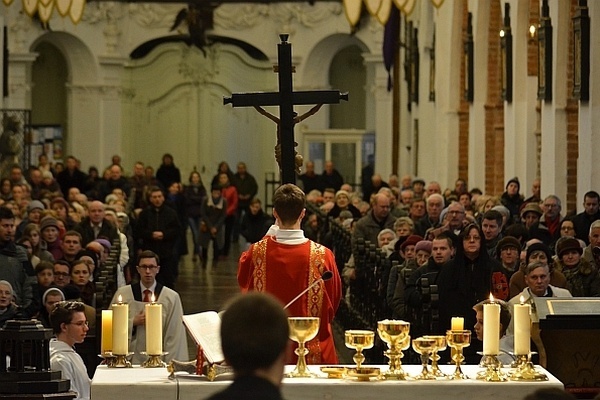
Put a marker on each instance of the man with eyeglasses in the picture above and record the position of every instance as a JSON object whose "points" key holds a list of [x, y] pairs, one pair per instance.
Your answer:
{"points": [[70, 327], [548, 228], [138, 295], [62, 273]]}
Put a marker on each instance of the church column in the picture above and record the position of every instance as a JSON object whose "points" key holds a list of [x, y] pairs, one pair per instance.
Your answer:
{"points": [[111, 68], [19, 80], [481, 17], [520, 114], [378, 95], [588, 175], [554, 121], [84, 125], [448, 53]]}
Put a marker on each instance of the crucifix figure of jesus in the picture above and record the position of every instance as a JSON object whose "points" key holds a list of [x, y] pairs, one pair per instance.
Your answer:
{"points": [[286, 98]]}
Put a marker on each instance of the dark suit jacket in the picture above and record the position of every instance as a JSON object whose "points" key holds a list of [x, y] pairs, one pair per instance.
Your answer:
{"points": [[107, 230]]}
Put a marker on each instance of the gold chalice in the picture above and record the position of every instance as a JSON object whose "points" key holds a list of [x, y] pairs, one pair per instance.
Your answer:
{"points": [[440, 346], [359, 340], [425, 347], [458, 340], [302, 329], [395, 334]]}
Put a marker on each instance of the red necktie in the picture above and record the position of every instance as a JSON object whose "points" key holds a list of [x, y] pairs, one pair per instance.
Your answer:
{"points": [[147, 296]]}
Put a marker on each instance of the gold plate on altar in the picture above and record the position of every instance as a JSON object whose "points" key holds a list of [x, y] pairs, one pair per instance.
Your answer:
{"points": [[334, 372], [363, 374]]}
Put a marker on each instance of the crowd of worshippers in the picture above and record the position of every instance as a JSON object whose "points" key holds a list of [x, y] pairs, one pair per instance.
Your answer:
{"points": [[467, 243], [59, 225]]}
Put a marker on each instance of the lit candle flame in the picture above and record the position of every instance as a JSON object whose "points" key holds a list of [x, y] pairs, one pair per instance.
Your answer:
{"points": [[522, 300], [491, 298], [120, 299], [153, 299]]}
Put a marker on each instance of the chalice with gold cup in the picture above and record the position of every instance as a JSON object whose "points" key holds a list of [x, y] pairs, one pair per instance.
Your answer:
{"points": [[458, 340], [425, 347], [441, 346], [360, 340], [395, 334], [302, 329]]}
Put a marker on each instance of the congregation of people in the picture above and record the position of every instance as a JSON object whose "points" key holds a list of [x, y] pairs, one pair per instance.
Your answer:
{"points": [[464, 243], [59, 227]]}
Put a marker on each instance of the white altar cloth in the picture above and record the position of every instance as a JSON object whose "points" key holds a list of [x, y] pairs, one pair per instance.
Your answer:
{"points": [[153, 384]]}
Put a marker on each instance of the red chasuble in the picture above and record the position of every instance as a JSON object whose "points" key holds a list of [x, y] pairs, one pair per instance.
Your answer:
{"points": [[285, 270]]}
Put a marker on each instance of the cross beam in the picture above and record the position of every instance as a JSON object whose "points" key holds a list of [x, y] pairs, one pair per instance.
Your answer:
{"points": [[286, 98]]}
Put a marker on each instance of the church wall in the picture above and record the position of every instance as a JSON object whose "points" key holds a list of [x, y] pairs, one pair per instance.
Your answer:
{"points": [[463, 135], [554, 118], [589, 118], [477, 110], [494, 108]]}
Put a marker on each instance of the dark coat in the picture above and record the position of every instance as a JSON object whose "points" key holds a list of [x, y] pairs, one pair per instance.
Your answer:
{"points": [[167, 174], [163, 219], [107, 230], [67, 180], [194, 196]]}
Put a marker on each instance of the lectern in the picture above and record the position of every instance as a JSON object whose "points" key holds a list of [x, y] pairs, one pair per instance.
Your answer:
{"points": [[570, 334]]}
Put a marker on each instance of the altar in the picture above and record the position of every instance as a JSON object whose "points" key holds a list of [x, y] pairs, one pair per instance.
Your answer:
{"points": [[154, 384]]}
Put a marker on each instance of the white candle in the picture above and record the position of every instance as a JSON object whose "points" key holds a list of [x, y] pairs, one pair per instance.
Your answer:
{"points": [[107, 332], [521, 314], [458, 324], [491, 328], [154, 328], [120, 327]]}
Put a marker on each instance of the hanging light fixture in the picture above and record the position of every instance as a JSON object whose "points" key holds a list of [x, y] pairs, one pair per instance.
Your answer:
{"points": [[45, 8]]}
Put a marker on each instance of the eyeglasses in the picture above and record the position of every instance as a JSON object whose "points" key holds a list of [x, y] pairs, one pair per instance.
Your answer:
{"points": [[79, 323], [455, 212], [148, 267]]}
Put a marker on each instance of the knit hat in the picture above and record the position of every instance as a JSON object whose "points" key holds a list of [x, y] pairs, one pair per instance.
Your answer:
{"points": [[531, 207], [346, 214], [35, 205], [47, 175], [425, 245], [341, 192], [105, 243], [419, 180], [514, 180], [61, 201], [48, 222], [502, 210], [412, 240], [568, 244], [508, 241], [538, 247]]}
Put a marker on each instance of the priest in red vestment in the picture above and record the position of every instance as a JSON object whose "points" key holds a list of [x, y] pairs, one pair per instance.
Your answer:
{"points": [[284, 263]]}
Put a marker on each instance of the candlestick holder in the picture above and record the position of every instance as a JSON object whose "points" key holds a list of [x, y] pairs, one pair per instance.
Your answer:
{"points": [[122, 360], [154, 360], [458, 340], [525, 371], [493, 369], [395, 334], [108, 359]]}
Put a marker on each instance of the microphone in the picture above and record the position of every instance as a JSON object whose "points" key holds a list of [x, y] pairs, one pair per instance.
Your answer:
{"points": [[327, 275]]}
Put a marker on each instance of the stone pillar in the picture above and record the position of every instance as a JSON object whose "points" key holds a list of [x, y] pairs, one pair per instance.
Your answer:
{"points": [[19, 80], [481, 17], [448, 52], [378, 95], [554, 121], [110, 110], [588, 175], [520, 114]]}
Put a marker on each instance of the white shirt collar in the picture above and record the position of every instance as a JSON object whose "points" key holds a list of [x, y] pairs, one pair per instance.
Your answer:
{"points": [[290, 236]]}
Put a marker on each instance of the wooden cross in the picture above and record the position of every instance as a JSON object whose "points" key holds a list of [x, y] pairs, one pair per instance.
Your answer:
{"points": [[286, 98]]}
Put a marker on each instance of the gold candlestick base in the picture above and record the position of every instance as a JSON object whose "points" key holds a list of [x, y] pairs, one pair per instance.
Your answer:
{"points": [[109, 359], [121, 361], [458, 340], [154, 360], [493, 369], [525, 371]]}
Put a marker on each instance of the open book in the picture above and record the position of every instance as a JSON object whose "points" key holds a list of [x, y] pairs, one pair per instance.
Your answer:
{"points": [[204, 328]]}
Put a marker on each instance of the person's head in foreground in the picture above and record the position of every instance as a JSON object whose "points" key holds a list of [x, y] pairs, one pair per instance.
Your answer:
{"points": [[254, 336]]}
